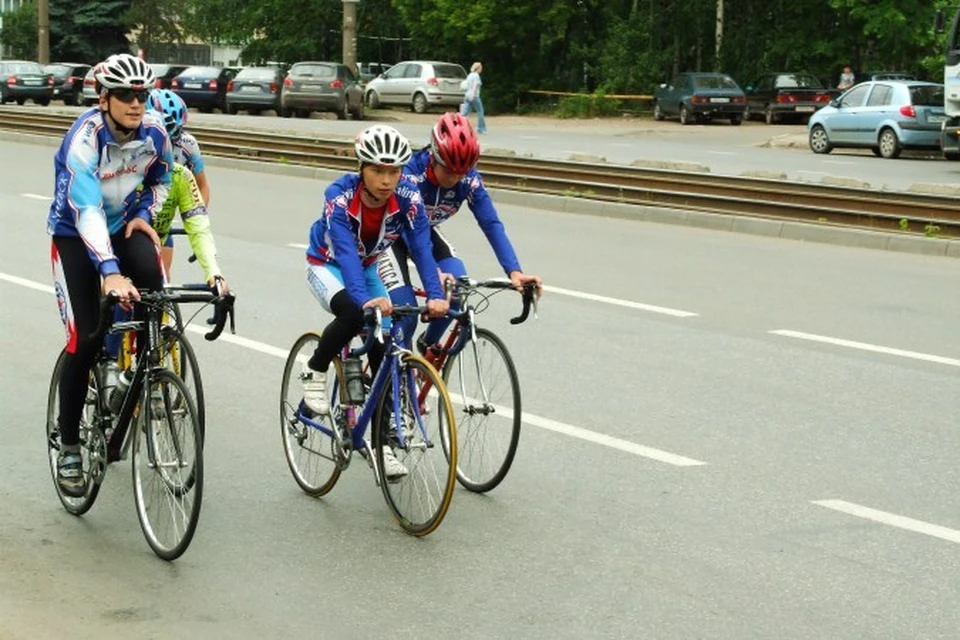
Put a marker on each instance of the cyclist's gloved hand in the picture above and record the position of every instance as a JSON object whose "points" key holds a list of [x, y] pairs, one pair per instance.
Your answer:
{"points": [[123, 288], [437, 308], [518, 279], [385, 305], [218, 286]]}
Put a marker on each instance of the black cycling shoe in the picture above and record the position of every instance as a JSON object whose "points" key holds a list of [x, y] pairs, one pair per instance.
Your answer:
{"points": [[70, 475]]}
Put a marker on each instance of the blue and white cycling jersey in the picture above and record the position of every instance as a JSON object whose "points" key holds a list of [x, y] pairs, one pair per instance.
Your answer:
{"points": [[97, 179], [441, 204], [336, 237], [187, 153]]}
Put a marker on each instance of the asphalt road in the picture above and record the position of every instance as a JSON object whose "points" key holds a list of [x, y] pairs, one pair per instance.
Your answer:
{"points": [[680, 475]]}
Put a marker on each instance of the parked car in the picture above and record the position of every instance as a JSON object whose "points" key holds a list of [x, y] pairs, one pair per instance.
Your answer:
{"points": [[370, 70], [700, 96], [419, 84], [885, 117], [165, 74], [786, 96], [67, 80], [21, 80], [255, 89], [88, 96], [867, 76], [321, 86], [204, 87]]}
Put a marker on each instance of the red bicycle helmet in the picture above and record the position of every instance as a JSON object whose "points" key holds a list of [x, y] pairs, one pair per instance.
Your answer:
{"points": [[454, 143]]}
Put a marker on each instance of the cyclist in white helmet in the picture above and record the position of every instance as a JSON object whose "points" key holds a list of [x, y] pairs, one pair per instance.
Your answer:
{"points": [[363, 213], [101, 228]]}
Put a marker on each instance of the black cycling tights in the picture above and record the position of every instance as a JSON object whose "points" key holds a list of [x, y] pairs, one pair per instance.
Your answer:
{"points": [[139, 260], [347, 324]]}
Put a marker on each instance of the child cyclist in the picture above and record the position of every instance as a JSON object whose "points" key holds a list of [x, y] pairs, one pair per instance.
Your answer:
{"points": [[186, 149], [445, 174], [363, 214]]}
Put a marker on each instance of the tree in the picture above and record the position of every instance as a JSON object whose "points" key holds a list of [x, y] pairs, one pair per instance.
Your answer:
{"points": [[20, 31], [87, 30], [155, 21]]}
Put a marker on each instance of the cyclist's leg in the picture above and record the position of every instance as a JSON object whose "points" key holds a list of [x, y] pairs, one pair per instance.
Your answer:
{"points": [[395, 275], [449, 262], [166, 251], [140, 261], [77, 285]]}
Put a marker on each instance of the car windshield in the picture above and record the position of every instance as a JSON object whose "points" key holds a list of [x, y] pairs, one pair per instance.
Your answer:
{"points": [[454, 71], [313, 70], [256, 74], [58, 70], [927, 95], [201, 72], [798, 81], [714, 82], [23, 67]]}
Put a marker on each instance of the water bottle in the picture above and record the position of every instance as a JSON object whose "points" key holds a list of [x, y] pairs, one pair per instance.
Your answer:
{"points": [[353, 372], [120, 390], [109, 374]]}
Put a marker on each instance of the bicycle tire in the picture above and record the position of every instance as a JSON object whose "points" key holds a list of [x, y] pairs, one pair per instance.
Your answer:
{"points": [[167, 464], [182, 360], [90, 434], [485, 450], [418, 502], [314, 458]]}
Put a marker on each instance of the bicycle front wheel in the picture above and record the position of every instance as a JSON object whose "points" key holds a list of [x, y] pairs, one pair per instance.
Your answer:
{"points": [[93, 449], [315, 458], [167, 465], [483, 384], [420, 497], [178, 356]]}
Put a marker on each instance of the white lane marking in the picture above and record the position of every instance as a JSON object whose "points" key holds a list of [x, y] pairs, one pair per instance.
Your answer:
{"points": [[723, 153], [529, 137], [589, 436], [27, 283], [623, 303], [837, 162], [529, 418], [589, 296], [36, 196], [621, 144], [864, 346], [892, 519]]}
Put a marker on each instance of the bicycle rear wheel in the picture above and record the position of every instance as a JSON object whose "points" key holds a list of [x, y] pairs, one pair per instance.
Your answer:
{"points": [[420, 499], [93, 448], [483, 384], [315, 459], [167, 465]]}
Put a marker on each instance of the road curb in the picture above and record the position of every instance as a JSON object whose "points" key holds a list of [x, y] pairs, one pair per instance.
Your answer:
{"points": [[823, 233]]}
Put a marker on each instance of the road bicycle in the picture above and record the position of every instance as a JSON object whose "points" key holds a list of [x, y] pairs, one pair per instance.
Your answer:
{"points": [[481, 378], [165, 444], [319, 448]]}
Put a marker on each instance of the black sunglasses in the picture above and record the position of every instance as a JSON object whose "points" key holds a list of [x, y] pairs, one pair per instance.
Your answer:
{"points": [[126, 96]]}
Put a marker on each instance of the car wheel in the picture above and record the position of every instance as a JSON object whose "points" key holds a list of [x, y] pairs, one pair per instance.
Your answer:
{"points": [[343, 112], [657, 112], [304, 113], [685, 117], [206, 109], [285, 112], [358, 114], [43, 102], [736, 120], [889, 144], [232, 109], [373, 100], [770, 116], [71, 100], [953, 156], [819, 141], [20, 101], [419, 104]]}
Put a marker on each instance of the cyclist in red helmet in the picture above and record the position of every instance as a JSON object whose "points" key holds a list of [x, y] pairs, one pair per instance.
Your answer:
{"points": [[447, 177]]}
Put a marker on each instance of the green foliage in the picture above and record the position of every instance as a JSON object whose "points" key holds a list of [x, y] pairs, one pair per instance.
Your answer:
{"points": [[155, 21], [87, 30], [595, 105], [20, 31]]}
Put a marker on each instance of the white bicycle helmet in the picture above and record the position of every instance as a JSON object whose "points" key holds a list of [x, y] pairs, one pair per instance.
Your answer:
{"points": [[382, 145], [124, 71]]}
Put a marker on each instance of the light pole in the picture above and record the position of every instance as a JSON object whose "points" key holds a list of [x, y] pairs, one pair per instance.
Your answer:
{"points": [[350, 34], [43, 31]]}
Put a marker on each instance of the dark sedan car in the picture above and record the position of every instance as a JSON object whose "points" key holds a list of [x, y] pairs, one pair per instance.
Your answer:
{"points": [[204, 87], [786, 96], [255, 89], [67, 80], [700, 96], [21, 81], [165, 74], [321, 86]]}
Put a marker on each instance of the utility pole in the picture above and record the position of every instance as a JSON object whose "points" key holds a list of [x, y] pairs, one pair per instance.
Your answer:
{"points": [[350, 34], [43, 31], [719, 46]]}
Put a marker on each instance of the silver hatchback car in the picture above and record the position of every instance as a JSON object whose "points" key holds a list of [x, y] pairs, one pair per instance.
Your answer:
{"points": [[884, 116], [419, 84]]}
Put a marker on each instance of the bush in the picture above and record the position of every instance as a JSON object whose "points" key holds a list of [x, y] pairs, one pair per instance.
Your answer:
{"points": [[595, 105]]}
